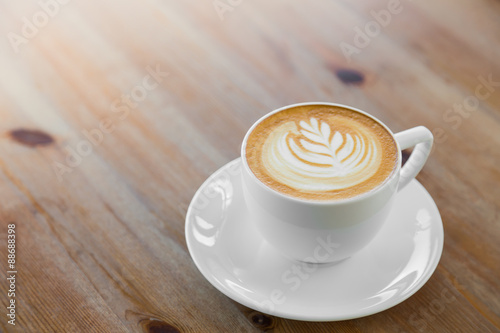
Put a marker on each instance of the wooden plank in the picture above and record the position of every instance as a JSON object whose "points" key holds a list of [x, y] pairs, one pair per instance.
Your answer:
{"points": [[101, 224]]}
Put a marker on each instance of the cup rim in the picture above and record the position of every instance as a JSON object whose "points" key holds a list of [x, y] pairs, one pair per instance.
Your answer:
{"points": [[395, 172]]}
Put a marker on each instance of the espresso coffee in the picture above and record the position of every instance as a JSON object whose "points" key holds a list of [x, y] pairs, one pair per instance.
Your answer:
{"points": [[321, 152]]}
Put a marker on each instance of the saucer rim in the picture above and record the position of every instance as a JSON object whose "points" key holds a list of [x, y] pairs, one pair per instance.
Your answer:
{"points": [[430, 266]]}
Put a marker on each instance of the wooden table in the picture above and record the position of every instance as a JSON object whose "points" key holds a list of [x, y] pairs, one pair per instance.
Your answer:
{"points": [[114, 112]]}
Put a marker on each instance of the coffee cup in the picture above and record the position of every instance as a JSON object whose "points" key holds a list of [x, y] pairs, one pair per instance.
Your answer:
{"points": [[319, 179]]}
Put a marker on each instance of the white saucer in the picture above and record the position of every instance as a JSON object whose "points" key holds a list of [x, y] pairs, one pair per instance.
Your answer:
{"points": [[232, 256]]}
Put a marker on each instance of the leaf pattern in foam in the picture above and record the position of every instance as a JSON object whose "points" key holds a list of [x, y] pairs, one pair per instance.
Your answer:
{"points": [[322, 158], [345, 151], [311, 131], [319, 134]]}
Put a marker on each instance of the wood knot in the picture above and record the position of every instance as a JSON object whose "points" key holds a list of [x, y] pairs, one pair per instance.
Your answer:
{"points": [[31, 138], [157, 326], [350, 76], [261, 321]]}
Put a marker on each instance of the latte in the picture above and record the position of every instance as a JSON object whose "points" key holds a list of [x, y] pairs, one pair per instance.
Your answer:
{"points": [[321, 152]]}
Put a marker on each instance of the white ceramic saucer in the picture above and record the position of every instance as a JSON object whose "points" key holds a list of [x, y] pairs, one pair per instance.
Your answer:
{"points": [[232, 256]]}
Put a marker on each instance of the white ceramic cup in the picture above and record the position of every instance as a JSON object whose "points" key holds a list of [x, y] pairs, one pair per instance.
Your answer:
{"points": [[329, 231]]}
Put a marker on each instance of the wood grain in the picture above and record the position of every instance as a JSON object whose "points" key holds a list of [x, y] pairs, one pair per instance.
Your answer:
{"points": [[163, 92]]}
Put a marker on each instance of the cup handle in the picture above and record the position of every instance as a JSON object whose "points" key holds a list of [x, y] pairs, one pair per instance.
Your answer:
{"points": [[422, 139]]}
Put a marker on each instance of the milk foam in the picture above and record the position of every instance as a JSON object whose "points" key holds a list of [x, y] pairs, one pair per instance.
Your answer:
{"points": [[321, 152], [316, 156]]}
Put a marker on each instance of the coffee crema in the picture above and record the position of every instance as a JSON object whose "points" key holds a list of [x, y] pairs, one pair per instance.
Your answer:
{"points": [[321, 152]]}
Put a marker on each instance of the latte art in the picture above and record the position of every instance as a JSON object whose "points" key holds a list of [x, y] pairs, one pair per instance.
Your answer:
{"points": [[320, 152], [314, 157]]}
